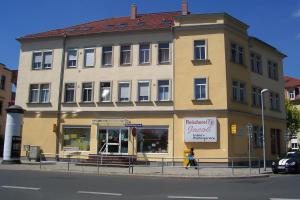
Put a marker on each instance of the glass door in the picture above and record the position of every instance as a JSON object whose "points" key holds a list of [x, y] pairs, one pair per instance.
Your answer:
{"points": [[124, 141], [113, 141]]}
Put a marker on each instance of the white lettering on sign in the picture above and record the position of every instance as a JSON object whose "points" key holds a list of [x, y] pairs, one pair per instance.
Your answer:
{"points": [[200, 129]]}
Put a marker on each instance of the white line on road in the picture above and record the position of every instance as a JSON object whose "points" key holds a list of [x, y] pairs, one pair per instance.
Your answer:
{"points": [[187, 197], [282, 199], [99, 193], [19, 187]]}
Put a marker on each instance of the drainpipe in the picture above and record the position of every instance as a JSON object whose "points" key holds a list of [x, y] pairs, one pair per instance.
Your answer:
{"points": [[61, 81]]}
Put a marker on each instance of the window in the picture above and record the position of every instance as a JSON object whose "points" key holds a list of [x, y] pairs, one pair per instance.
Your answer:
{"points": [[89, 57], [292, 94], [47, 60], [76, 138], [70, 92], [200, 88], [164, 90], [274, 101], [275, 141], [72, 58], [143, 91], [152, 140], [105, 92], [144, 55], [1, 107], [256, 64], [39, 93], [2, 82], [273, 70], [237, 55], [44, 93], [125, 55], [238, 91], [256, 96], [37, 60], [107, 56], [124, 92], [163, 53], [87, 92], [200, 50], [257, 136]]}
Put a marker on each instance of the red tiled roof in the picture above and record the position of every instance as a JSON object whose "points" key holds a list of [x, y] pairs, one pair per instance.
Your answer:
{"points": [[290, 82], [150, 21]]}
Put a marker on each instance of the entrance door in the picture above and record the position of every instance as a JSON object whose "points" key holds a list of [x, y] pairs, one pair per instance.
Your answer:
{"points": [[113, 141]]}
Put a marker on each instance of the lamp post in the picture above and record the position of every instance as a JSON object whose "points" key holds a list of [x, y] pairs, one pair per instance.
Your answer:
{"points": [[263, 125]]}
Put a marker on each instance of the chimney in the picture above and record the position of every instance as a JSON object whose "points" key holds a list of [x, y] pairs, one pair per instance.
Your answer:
{"points": [[133, 13], [184, 7]]}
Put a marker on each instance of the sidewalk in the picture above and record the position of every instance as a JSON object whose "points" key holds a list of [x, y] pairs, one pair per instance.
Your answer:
{"points": [[166, 171]]}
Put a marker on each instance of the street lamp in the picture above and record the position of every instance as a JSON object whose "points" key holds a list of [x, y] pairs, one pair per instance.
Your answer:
{"points": [[263, 125]]}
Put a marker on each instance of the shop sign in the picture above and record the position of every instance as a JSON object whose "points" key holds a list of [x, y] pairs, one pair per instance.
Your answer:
{"points": [[200, 129], [109, 122], [133, 125]]}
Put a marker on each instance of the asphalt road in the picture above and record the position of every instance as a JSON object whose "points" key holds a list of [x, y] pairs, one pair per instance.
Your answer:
{"points": [[31, 185]]}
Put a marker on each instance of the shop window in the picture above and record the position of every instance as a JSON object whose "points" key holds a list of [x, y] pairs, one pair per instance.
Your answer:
{"points": [[152, 140], [76, 138]]}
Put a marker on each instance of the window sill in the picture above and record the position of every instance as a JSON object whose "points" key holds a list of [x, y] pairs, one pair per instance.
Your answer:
{"points": [[105, 102], [125, 65], [88, 67], [106, 66], [201, 62], [86, 102], [164, 63], [164, 102], [39, 104], [124, 102], [72, 67], [144, 64], [201, 101], [69, 102]]}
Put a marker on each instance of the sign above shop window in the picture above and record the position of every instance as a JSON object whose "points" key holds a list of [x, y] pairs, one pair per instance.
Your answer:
{"points": [[200, 129], [110, 122]]}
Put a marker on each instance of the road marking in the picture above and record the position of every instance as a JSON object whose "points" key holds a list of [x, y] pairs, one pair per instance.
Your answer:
{"points": [[19, 187], [187, 197], [99, 193], [282, 199]]}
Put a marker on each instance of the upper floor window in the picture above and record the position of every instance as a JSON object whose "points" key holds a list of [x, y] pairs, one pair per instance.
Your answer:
{"points": [[125, 57], [237, 54], [89, 57], [273, 70], [2, 82], [163, 90], [274, 101], [42, 60], [256, 96], [163, 53], [107, 56], [200, 88], [72, 58], [87, 92], [238, 91], [257, 136], [144, 54], [256, 64], [47, 60], [39, 93], [143, 91], [292, 94], [105, 92], [70, 89], [124, 92], [37, 60], [200, 50]]}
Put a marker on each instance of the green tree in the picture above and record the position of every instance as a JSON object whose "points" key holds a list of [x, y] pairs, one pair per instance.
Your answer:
{"points": [[293, 118]]}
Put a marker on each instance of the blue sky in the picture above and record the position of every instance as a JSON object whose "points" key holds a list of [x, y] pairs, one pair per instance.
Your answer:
{"points": [[275, 21]]}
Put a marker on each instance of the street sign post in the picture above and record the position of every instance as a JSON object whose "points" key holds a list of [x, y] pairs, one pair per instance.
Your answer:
{"points": [[249, 127]]}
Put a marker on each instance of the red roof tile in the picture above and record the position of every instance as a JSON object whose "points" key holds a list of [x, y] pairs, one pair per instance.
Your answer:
{"points": [[142, 22], [290, 82]]}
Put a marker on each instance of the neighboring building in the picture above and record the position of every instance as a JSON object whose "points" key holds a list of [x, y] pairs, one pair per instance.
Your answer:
{"points": [[292, 88], [5, 98], [185, 77]]}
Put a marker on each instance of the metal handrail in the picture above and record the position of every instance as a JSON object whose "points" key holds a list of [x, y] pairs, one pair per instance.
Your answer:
{"points": [[102, 148]]}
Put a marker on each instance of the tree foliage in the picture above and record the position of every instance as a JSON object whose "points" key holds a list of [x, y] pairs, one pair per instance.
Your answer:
{"points": [[293, 118]]}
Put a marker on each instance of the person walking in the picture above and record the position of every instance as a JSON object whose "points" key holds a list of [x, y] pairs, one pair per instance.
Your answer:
{"points": [[191, 159]]}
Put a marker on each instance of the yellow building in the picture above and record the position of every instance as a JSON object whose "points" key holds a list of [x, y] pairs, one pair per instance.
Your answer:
{"points": [[151, 85]]}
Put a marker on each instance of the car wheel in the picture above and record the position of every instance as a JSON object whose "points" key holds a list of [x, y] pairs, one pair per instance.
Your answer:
{"points": [[275, 172]]}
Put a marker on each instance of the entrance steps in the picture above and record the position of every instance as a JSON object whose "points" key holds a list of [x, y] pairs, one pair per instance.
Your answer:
{"points": [[109, 160]]}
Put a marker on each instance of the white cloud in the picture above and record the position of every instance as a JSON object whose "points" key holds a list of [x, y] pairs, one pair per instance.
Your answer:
{"points": [[297, 13]]}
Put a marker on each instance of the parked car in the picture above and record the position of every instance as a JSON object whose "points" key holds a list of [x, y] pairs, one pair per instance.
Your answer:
{"points": [[287, 164]]}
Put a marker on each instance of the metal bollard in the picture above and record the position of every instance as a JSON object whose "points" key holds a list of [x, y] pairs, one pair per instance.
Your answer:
{"points": [[40, 161], [129, 165], [198, 160], [162, 165], [232, 167], [98, 164], [69, 162], [258, 166], [132, 164]]}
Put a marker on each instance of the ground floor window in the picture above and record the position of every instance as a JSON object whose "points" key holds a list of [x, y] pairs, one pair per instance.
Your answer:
{"points": [[152, 140], [77, 138], [275, 141]]}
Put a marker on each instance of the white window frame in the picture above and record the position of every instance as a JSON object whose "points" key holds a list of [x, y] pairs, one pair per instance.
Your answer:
{"points": [[199, 47], [158, 57], [119, 94], [105, 52], [49, 89], [33, 60], [74, 93], [39, 93], [169, 96], [149, 90], [206, 88], [43, 60], [85, 58], [292, 94], [68, 52], [126, 51], [82, 92], [140, 52], [238, 90], [110, 91]]}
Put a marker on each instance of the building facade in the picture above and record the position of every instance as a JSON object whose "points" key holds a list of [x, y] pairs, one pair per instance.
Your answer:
{"points": [[151, 85]]}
